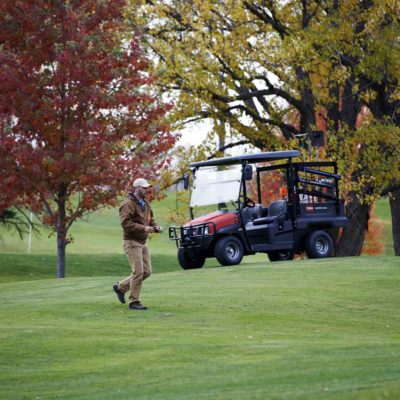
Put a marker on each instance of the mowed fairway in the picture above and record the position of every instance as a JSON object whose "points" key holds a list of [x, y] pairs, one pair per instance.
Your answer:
{"points": [[302, 330], [307, 329]]}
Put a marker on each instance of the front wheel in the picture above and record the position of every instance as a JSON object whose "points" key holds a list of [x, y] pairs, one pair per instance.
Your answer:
{"points": [[282, 255], [319, 245], [229, 251], [187, 261]]}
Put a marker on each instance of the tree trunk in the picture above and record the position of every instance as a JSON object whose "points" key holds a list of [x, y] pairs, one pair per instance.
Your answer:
{"points": [[307, 114], [61, 232], [61, 245], [395, 210], [352, 240]]}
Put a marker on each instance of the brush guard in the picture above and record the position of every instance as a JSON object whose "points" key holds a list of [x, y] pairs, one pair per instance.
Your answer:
{"points": [[197, 236]]}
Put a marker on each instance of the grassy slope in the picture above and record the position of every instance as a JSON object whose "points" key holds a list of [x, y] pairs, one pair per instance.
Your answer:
{"points": [[99, 233], [305, 330], [96, 250]]}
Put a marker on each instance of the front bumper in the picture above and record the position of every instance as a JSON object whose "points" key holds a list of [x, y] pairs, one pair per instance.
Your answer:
{"points": [[198, 236]]}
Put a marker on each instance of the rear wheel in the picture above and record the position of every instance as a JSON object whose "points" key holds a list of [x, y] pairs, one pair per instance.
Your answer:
{"points": [[189, 261], [229, 251], [319, 245], [282, 255]]}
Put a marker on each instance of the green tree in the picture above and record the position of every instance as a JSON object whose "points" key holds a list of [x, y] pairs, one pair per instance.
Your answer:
{"points": [[275, 71], [15, 219], [361, 41]]}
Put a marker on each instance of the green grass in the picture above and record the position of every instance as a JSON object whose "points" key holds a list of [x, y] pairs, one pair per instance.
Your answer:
{"points": [[383, 214], [95, 251], [98, 233], [17, 267], [308, 329], [312, 329]]}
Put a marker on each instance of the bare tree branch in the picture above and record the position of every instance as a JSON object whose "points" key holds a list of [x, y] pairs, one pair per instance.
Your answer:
{"points": [[269, 19]]}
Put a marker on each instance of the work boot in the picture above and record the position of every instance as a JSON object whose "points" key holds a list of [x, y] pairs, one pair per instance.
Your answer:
{"points": [[137, 305], [120, 295]]}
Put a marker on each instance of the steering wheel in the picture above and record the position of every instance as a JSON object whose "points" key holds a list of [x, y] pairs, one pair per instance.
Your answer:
{"points": [[248, 203]]}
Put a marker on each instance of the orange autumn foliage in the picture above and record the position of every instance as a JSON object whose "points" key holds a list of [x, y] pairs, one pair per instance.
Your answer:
{"points": [[374, 240]]}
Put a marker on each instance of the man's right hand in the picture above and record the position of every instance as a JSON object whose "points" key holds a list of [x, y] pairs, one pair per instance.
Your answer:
{"points": [[149, 229]]}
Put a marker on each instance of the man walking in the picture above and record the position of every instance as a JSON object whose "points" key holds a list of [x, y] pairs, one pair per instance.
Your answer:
{"points": [[137, 222]]}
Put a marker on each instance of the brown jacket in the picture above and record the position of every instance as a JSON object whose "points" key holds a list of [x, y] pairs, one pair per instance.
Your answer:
{"points": [[134, 219]]}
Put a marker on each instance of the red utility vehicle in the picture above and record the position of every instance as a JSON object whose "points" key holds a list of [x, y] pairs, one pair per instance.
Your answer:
{"points": [[257, 203]]}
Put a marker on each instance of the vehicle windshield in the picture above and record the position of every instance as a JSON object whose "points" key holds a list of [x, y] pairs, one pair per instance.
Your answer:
{"points": [[216, 185]]}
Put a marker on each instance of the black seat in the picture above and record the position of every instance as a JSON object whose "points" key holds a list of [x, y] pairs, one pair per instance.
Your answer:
{"points": [[277, 209], [253, 213]]}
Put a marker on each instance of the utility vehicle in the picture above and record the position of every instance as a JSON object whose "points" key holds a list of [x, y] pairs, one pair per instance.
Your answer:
{"points": [[263, 202]]}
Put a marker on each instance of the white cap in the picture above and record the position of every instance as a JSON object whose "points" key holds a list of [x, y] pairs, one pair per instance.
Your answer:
{"points": [[141, 182]]}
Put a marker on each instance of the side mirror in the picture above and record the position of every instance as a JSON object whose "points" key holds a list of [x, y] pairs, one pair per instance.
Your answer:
{"points": [[248, 172], [222, 206], [185, 179]]}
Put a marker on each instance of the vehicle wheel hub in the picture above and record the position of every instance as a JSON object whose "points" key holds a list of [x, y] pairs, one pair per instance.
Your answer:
{"points": [[322, 246], [232, 250]]}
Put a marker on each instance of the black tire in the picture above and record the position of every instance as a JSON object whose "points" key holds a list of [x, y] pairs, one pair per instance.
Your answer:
{"points": [[282, 255], [190, 262], [229, 250], [319, 245]]}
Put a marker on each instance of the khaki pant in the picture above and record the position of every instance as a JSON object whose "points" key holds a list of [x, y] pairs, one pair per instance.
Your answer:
{"points": [[139, 259]]}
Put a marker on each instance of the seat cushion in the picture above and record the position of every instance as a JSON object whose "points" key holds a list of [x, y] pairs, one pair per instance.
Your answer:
{"points": [[263, 221]]}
